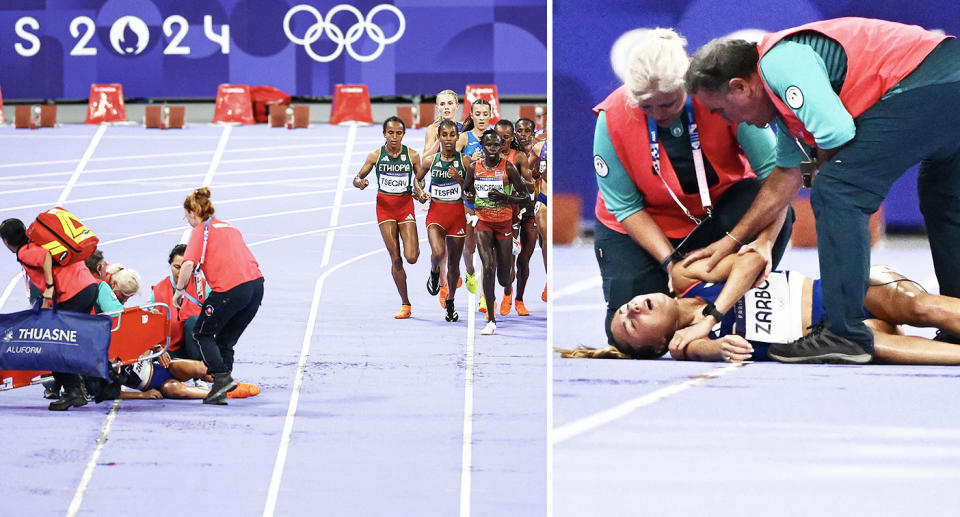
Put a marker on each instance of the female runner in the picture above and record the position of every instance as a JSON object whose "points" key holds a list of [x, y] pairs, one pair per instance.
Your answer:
{"points": [[490, 182], [396, 165], [446, 220], [469, 144]]}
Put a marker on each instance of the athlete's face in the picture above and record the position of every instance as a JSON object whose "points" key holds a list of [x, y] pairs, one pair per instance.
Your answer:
{"points": [[744, 101], [448, 138], [492, 145], [481, 116], [447, 107], [664, 107], [175, 266], [393, 133], [525, 132], [646, 322], [505, 132]]}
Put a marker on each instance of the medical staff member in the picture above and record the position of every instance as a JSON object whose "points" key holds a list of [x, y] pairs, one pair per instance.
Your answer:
{"points": [[236, 283], [75, 290], [663, 164], [863, 100]]}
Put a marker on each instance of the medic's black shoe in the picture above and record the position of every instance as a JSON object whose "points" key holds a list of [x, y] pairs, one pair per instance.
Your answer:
{"points": [[820, 346]]}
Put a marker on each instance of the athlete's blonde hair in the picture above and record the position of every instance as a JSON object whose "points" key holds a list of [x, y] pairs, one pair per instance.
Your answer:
{"points": [[436, 109], [585, 352], [125, 279], [656, 64]]}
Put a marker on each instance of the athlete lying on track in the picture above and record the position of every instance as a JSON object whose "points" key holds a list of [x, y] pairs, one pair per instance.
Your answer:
{"points": [[720, 317]]}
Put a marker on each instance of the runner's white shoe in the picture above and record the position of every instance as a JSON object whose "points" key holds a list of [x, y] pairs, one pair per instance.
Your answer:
{"points": [[490, 329]]}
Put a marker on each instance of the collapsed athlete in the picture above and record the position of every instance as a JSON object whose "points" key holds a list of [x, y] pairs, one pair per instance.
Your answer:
{"points": [[783, 307]]}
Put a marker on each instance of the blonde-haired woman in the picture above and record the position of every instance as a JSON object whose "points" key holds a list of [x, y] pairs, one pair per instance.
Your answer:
{"points": [[119, 285], [445, 108], [666, 166], [236, 284]]}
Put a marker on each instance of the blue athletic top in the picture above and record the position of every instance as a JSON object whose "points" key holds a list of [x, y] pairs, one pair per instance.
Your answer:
{"points": [[473, 144], [769, 314]]}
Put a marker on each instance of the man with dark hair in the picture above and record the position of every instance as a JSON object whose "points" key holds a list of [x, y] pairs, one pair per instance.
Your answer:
{"points": [[862, 100]]}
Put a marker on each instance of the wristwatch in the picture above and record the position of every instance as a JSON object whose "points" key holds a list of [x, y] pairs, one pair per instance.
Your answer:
{"points": [[51, 285], [711, 310]]}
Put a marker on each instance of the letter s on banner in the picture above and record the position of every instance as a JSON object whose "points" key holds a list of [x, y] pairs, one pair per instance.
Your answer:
{"points": [[27, 36]]}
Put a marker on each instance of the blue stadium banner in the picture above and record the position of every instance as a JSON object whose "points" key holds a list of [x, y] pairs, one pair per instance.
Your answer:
{"points": [[185, 48]]}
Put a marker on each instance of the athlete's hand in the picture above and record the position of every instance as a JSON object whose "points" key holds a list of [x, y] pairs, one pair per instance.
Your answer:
{"points": [[735, 349], [685, 336], [496, 196], [454, 174], [360, 183], [152, 394], [714, 253], [476, 155]]}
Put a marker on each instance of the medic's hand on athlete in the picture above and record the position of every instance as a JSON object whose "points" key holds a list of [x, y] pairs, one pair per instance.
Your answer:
{"points": [[164, 360], [735, 349], [715, 251], [765, 249], [360, 183]]}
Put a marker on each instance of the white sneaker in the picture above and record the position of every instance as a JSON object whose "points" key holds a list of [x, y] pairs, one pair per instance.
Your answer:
{"points": [[490, 329], [516, 246], [200, 383]]}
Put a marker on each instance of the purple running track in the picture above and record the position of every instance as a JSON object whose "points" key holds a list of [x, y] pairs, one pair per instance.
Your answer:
{"points": [[377, 425]]}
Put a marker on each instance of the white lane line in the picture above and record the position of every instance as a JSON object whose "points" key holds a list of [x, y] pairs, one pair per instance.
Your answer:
{"points": [[166, 165], [9, 289], [335, 213], [272, 493], [330, 229], [217, 155], [88, 472], [569, 430], [94, 142], [588, 283], [146, 193], [466, 459], [257, 198], [82, 164], [580, 307]]}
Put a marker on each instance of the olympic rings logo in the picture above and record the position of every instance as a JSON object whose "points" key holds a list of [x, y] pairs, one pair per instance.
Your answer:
{"points": [[336, 35]]}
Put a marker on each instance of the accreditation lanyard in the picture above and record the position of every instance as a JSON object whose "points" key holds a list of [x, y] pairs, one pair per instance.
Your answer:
{"points": [[186, 294], [697, 162]]}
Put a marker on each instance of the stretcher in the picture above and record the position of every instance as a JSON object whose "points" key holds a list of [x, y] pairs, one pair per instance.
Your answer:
{"points": [[135, 330]]}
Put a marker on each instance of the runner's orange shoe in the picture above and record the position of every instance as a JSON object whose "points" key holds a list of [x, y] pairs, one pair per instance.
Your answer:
{"points": [[443, 296], [404, 312], [521, 309], [244, 390], [459, 282], [544, 295], [506, 304]]}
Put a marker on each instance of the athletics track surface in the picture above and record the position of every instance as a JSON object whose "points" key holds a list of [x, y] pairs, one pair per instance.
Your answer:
{"points": [[360, 414]]}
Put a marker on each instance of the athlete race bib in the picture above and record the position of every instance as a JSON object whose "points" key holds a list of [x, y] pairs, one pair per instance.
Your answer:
{"points": [[771, 312], [483, 186], [394, 183]]}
